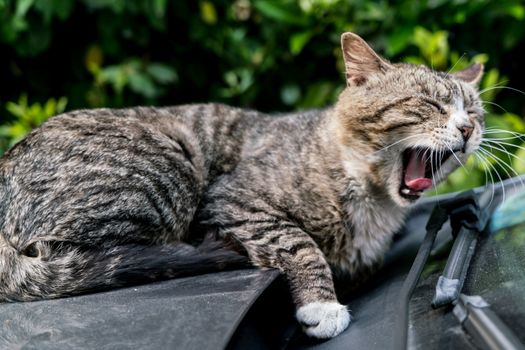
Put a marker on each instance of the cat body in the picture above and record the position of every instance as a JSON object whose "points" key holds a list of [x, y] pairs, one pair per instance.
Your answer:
{"points": [[338, 209], [90, 181], [97, 198]]}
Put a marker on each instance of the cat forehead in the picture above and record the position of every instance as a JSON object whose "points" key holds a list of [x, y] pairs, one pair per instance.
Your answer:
{"points": [[415, 79]]}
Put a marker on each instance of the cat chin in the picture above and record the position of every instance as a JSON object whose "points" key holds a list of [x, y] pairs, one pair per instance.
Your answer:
{"points": [[405, 201]]}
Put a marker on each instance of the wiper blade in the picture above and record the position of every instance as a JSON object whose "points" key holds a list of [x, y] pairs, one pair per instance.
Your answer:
{"points": [[450, 283], [468, 221], [463, 206], [483, 325]]}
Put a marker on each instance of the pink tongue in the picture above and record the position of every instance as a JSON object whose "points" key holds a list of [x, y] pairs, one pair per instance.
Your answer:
{"points": [[415, 173]]}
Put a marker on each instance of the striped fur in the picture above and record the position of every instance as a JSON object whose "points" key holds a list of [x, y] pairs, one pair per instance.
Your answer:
{"points": [[100, 198]]}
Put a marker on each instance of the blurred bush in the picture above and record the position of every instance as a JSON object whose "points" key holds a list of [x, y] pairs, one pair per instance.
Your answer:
{"points": [[26, 118], [264, 54]]}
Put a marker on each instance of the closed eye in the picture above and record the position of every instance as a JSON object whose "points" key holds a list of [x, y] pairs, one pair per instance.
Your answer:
{"points": [[435, 104], [472, 112]]}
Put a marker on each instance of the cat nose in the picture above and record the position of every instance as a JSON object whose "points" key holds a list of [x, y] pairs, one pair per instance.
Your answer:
{"points": [[466, 131]]}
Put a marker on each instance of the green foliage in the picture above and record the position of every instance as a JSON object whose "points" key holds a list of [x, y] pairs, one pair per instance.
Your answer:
{"points": [[142, 78], [27, 117], [265, 54]]}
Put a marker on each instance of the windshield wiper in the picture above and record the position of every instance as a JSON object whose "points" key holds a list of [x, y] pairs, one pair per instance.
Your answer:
{"points": [[483, 325], [468, 221]]}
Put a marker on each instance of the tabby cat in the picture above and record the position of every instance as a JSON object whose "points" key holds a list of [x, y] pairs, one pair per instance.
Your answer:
{"points": [[102, 198]]}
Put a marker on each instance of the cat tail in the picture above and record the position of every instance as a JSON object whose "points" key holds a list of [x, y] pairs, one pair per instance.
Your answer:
{"points": [[72, 269], [134, 264]]}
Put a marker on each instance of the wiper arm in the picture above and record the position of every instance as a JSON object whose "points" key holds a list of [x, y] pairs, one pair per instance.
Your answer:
{"points": [[483, 325], [464, 206], [467, 221]]}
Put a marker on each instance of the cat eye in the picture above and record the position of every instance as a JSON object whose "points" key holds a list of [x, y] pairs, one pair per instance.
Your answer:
{"points": [[31, 251], [436, 105]]}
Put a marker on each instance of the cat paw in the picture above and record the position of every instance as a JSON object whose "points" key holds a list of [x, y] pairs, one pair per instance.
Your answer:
{"points": [[323, 319]]}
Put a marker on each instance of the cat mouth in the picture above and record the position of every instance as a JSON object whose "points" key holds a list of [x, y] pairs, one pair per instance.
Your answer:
{"points": [[419, 166]]}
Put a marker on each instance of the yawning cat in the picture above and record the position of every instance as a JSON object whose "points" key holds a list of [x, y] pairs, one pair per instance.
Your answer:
{"points": [[100, 198]]}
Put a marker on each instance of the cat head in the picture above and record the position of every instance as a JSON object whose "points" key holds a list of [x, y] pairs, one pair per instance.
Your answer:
{"points": [[406, 126]]}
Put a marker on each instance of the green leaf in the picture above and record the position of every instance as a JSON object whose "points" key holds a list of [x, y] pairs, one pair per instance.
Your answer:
{"points": [[317, 95], [490, 79], [398, 40], [514, 122], [61, 105], [143, 85], [433, 46], [279, 11], [15, 109], [208, 12], [17, 132], [299, 40], [159, 7], [115, 75], [238, 81], [60, 8], [518, 163], [372, 11], [482, 58], [49, 108], [515, 10], [162, 73], [22, 6], [413, 60]]}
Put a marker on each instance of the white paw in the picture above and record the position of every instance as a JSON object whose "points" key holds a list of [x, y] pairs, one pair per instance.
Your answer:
{"points": [[323, 320]]}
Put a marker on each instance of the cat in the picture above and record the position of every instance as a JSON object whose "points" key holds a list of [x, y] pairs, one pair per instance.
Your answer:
{"points": [[101, 198]]}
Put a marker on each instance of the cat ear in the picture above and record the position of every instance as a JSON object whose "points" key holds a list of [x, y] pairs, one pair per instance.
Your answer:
{"points": [[360, 59], [472, 74]]}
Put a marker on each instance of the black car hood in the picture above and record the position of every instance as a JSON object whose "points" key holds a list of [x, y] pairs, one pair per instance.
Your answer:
{"points": [[252, 309]]}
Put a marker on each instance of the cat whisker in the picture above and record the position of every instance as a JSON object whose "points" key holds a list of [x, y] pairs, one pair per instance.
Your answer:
{"points": [[509, 171], [395, 143], [501, 131], [493, 146], [498, 129], [483, 161], [503, 164], [501, 87], [502, 149], [489, 141], [503, 138], [455, 64], [501, 83], [515, 135], [495, 104], [454, 154], [434, 168], [441, 170], [486, 153], [433, 173]]}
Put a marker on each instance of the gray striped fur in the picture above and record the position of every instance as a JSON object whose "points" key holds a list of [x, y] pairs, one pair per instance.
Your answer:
{"points": [[96, 198]]}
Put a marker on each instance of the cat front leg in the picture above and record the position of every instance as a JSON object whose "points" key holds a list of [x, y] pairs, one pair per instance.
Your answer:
{"points": [[323, 319], [297, 256]]}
